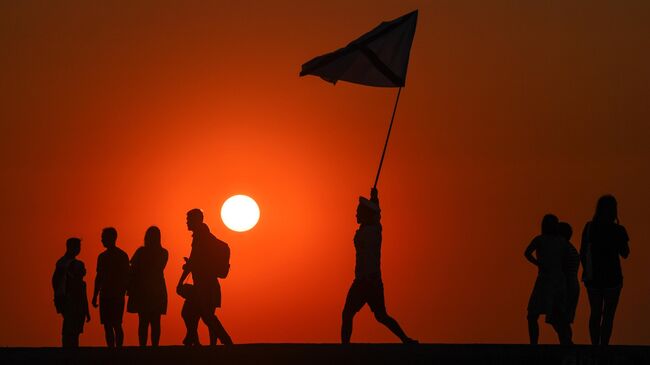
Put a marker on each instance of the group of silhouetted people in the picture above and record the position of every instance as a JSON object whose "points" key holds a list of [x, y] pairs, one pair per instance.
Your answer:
{"points": [[142, 280], [555, 293], [557, 288]]}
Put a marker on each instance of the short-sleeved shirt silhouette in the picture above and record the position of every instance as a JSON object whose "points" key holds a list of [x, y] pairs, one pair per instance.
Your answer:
{"points": [[70, 288], [367, 243], [608, 242], [113, 267]]}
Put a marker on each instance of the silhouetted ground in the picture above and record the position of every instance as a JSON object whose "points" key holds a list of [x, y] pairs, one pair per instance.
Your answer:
{"points": [[259, 354]]}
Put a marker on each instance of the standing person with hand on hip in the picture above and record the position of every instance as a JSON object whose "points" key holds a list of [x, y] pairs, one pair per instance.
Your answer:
{"points": [[548, 252]]}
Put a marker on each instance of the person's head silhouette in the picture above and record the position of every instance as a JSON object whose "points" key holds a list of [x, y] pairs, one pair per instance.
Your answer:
{"points": [[152, 237], [565, 230], [606, 210], [367, 211], [549, 224], [73, 246], [194, 219], [109, 237]]}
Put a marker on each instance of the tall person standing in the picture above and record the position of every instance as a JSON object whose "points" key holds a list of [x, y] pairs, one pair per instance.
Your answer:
{"points": [[604, 241], [147, 289], [110, 287]]}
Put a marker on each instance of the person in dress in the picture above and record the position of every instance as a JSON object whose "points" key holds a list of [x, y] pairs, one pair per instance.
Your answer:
{"points": [[547, 252], [147, 289]]}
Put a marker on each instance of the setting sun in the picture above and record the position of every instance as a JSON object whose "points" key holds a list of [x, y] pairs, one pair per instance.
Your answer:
{"points": [[240, 213]]}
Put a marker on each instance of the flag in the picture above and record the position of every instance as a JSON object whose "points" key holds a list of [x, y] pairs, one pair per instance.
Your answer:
{"points": [[377, 58]]}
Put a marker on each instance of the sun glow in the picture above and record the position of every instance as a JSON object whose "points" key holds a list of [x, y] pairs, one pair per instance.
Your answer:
{"points": [[240, 213]]}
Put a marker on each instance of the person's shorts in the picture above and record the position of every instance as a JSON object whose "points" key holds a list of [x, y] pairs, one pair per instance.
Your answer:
{"points": [[111, 310], [362, 291], [73, 323]]}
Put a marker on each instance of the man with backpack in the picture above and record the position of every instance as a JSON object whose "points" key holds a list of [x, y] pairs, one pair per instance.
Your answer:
{"points": [[208, 261], [70, 297]]}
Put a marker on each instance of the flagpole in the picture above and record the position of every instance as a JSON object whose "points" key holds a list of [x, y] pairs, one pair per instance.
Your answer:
{"points": [[381, 162]]}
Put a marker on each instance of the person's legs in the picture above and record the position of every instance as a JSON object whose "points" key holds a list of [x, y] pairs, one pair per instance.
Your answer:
{"points": [[65, 336], [119, 334], [375, 296], [111, 311], [533, 328], [105, 318], [596, 304], [569, 332], [213, 336], [610, 301], [217, 331], [70, 341], [143, 328], [347, 319], [354, 301], [392, 325], [109, 335], [563, 331], [560, 322], [155, 329], [191, 318], [67, 341], [118, 314]]}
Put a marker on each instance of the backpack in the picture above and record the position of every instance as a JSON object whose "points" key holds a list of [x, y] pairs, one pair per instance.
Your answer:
{"points": [[221, 258]]}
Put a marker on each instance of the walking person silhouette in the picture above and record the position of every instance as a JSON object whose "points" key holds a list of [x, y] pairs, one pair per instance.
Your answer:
{"points": [[604, 240], [207, 263], [110, 285], [70, 298], [549, 293], [367, 286], [147, 290], [190, 312]]}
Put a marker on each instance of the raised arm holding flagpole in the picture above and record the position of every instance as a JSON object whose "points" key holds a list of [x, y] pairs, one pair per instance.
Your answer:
{"points": [[378, 58]]}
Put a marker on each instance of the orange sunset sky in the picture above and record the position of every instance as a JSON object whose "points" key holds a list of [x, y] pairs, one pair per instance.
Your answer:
{"points": [[129, 113]]}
